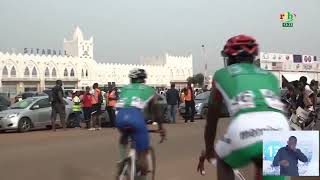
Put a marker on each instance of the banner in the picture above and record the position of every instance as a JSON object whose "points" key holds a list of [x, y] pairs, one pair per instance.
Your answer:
{"points": [[277, 66], [307, 59], [275, 57]]}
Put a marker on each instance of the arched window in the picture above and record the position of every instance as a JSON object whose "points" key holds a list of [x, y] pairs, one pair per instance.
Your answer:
{"points": [[178, 73], [72, 73], [87, 73], [65, 73], [54, 72], [34, 72], [46, 72], [82, 73], [5, 71], [171, 74], [26, 72], [13, 72], [182, 72]]}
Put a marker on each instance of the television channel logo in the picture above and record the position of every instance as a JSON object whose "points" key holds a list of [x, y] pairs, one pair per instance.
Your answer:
{"points": [[287, 19]]}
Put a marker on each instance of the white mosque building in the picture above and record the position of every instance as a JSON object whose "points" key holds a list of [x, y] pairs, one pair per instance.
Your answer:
{"points": [[36, 69]]}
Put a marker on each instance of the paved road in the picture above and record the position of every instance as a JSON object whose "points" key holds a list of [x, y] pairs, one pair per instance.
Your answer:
{"points": [[79, 154]]}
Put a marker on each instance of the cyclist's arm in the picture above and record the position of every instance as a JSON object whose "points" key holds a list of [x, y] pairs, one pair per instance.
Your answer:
{"points": [[155, 111], [214, 106]]}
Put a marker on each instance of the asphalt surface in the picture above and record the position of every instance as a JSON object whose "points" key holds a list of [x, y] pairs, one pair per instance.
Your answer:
{"points": [[78, 154]]}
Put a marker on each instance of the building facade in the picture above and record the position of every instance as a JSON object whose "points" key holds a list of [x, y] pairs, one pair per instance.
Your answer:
{"points": [[291, 66], [76, 67]]}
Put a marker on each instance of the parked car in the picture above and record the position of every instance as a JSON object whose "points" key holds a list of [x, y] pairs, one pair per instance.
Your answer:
{"points": [[201, 106], [4, 103], [26, 95], [32, 113]]}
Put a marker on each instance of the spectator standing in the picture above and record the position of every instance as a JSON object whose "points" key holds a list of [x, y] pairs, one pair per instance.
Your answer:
{"points": [[306, 97], [196, 92], [314, 85], [189, 103], [173, 100], [182, 94], [86, 100], [76, 107], [112, 97], [96, 107], [58, 106]]}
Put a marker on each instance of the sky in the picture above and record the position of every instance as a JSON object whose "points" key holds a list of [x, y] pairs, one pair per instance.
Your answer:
{"points": [[125, 30]]}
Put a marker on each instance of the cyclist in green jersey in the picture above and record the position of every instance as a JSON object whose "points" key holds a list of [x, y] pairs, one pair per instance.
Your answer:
{"points": [[252, 98], [135, 100]]}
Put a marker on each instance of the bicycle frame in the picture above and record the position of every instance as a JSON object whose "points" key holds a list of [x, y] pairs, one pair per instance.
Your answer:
{"points": [[132, 155]]}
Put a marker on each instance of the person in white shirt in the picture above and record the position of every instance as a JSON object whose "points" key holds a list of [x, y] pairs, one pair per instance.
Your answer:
{"points": [[309, 98]]}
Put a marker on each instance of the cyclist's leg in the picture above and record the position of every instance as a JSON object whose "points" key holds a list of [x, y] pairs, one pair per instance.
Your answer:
{"points": [[121, 122], [225, 171], [141, 139], [123, 144]]}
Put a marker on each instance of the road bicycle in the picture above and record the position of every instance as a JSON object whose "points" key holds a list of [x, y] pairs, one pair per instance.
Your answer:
{"points": [[128, 169]]}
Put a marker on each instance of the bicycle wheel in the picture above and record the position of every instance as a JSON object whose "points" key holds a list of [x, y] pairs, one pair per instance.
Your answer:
{"points": [[126, 170], [151, 158]]}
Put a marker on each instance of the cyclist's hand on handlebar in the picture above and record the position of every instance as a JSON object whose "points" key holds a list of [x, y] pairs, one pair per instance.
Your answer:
{"points": [[210, 156], [200, 168]]}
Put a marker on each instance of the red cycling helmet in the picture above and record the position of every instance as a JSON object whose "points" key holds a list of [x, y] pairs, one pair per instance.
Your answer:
{"points": [[241, 45]]}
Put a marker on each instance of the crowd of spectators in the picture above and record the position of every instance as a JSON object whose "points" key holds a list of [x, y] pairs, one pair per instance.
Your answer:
{"points": [[301, 93], [89, 103]]}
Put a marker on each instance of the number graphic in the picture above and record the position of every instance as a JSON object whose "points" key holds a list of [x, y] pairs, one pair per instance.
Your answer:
{"points": [[270, 151]]}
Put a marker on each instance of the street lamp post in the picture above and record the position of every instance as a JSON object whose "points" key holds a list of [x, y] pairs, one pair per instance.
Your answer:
{"points": [[206, 79]]}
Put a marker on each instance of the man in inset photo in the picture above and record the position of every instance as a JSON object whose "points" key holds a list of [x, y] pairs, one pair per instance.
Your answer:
{"points": [[287, 158]]}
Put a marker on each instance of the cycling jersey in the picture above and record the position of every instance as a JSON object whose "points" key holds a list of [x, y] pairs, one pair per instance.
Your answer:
{"points": [[247, 88], [135, 95], [132, 102]]}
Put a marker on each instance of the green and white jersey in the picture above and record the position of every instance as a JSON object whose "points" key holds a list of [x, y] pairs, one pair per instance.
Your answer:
{"points": [[247, 88], [135, 95]]}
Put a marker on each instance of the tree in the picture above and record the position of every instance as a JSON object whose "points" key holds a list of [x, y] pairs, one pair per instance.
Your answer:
{"points": [[199, 78], [191, 80]]}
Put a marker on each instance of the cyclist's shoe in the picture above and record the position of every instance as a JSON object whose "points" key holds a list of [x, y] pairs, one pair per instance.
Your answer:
{"points": [[92, 129], [99, 128]]}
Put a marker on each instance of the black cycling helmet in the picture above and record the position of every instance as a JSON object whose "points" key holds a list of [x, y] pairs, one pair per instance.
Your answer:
{"points": [[138, 74]]}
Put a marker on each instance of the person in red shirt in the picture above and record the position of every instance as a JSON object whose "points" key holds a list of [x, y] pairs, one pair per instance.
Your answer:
{"points": [[86, 100], [189, 103]]}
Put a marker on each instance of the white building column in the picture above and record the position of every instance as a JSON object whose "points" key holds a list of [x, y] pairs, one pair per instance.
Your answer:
{"points": [[42, 83]]}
